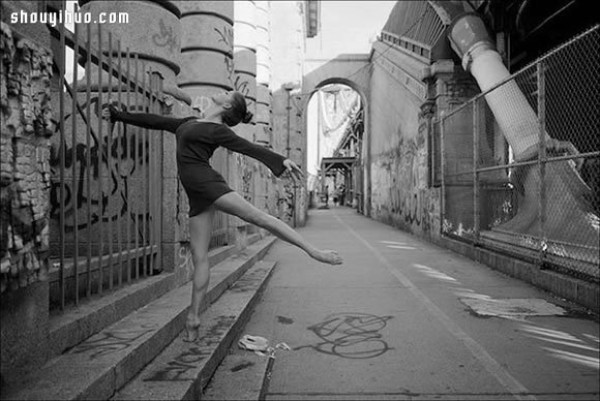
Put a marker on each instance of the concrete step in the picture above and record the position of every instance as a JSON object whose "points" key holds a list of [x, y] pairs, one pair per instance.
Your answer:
{"points": [[244, 368], [106, 361], [183, 369], [75, 324]]}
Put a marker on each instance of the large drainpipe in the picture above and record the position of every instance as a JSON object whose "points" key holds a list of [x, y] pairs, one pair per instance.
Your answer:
{"points": [[568, 215], [518, 121]]}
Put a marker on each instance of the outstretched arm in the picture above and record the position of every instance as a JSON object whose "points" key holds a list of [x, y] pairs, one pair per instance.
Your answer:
{"points": [[146, 120], [274, 161]]}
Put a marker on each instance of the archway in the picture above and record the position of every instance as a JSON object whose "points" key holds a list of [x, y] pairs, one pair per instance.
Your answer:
{"points": [[334, 123]]}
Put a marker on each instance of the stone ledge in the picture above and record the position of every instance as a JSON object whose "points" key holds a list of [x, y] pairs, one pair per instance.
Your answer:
{"points": [[570, 288]]}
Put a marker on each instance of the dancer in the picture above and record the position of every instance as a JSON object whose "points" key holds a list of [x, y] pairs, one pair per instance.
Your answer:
{"points": [[207, 190]]}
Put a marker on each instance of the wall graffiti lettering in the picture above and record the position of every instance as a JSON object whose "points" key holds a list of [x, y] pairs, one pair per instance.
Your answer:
{"points": [[111, 341], [177, 369], [185, 262], [241, 85], [191, 358], [129, 153], [350, 335], [404, 177], [225, 35], [166, 36], [201, 103]]}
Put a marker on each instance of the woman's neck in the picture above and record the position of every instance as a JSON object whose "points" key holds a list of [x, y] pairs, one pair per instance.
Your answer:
{"points": [[213, 114]]}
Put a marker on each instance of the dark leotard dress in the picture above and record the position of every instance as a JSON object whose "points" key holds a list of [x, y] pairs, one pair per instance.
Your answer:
{"points": [[196, 143]]}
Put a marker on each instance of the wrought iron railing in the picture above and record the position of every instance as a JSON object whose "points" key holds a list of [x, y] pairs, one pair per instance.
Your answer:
{"points": [[106, 194]]}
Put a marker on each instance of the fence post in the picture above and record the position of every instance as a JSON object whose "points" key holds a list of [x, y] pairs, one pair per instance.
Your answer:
{"points": [[156, 85], [541, 80], [476, 129], [442, 175]]}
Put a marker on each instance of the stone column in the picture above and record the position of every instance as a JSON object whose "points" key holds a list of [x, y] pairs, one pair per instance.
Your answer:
{"points": [[263, 74], [207, 50], [244, 56], [153, 33], [263, 98], [448, 87]]}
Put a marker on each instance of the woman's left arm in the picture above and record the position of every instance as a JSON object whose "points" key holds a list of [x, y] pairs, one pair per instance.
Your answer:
{"points": [[277, 163]]}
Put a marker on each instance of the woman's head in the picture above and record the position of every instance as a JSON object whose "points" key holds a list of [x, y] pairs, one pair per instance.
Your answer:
{"points": [[234, 108]]}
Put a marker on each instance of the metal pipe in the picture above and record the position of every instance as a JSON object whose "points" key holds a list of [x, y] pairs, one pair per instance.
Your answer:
{"points": [[61, 113], [88, 160], [74, 184], [518, 121], [541, 157], [118, 149], [109, 164], [100, 160], [136, 143], [127, 153]]}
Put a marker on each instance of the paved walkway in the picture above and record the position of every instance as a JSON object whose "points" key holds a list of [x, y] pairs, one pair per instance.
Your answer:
{"points": [[404, 319]]}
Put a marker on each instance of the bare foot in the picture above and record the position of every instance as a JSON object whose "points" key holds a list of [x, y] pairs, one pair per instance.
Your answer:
{"points": [[328, 256], [191, 330]]}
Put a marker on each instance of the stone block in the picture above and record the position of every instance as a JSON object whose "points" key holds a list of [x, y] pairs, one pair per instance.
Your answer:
{"points": [[24, 330]]}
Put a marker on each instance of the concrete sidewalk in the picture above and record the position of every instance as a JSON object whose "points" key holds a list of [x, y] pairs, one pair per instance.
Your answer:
{"points": [[405, 319]]}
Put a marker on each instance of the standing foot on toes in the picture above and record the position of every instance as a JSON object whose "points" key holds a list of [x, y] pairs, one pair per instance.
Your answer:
{"points": [[328, 256], [191, 330]]}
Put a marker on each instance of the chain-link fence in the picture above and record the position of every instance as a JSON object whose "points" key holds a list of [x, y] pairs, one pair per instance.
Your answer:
{"points": [[535, 195]]}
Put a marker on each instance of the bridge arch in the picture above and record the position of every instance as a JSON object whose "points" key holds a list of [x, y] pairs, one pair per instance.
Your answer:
{"points": [[353, 73]]}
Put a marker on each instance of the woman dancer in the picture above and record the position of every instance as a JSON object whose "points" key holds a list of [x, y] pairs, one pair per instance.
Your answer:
{"points": [[207, 190]]}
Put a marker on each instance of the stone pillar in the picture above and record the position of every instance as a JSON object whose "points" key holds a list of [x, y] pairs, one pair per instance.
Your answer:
{"points": [[153, 33], [263, 74], [207, 50], [448, 87], [244, 56], [25, 127], [263, 97]]}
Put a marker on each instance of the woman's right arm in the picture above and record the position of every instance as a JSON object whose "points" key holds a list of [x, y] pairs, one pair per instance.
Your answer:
{"points": [[146, 120]]}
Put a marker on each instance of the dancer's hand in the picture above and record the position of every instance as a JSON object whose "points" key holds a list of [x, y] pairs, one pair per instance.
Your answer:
{"points": [[294, 170], [109, 112]]}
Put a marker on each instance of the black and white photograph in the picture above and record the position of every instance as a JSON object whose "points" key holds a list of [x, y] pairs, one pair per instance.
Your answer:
{"points": [[281, 200]]}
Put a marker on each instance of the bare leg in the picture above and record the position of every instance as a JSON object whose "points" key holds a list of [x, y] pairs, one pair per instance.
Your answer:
{"points": [[200, 231], [234, 204]]}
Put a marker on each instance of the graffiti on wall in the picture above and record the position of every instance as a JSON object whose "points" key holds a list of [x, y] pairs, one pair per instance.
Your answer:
{"points": [[225, 35], [401, 194], [109, 188], [166, 37]]}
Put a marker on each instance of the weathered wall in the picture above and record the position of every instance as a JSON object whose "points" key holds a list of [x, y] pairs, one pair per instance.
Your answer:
{"points": [[26, 125], [400, 193]]}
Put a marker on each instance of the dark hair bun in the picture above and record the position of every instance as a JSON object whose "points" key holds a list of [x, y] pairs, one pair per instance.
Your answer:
{"points": [[247, 118]]}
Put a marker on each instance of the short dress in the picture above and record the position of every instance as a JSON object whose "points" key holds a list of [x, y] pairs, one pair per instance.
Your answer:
{"points": [[196, 142]]}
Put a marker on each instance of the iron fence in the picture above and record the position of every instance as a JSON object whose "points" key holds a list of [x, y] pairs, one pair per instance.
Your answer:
{"points": [[106, 193], [544, 208]]}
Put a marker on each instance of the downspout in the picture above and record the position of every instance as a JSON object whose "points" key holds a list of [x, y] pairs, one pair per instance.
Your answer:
{"points": [[519, 122], [569, 215]]}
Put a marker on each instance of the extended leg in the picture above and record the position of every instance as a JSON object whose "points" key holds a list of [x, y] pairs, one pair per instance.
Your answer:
{"points": [[234, 204], [200, 232]]}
